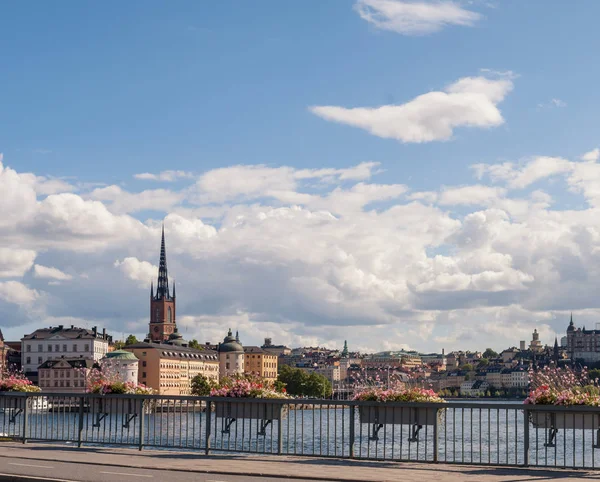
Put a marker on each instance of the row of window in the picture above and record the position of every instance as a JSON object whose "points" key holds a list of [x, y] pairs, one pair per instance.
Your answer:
{"points": [[40, 349], [62, 383], [61, 374]]}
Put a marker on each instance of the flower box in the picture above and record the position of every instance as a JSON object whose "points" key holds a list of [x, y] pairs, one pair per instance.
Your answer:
{"points": [[565, 420], [260, 411], [398, 415], [106, 405]]}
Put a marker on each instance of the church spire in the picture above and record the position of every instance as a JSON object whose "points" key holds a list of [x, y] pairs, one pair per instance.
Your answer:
{"points": [[162, 290]]}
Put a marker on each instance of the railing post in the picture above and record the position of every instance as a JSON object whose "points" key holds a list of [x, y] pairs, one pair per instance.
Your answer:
{"points": [[435, 434], [25, 415], [280, 430], [208, 423], [142, 419], [352, 419], [79, 442], [525, 437]]}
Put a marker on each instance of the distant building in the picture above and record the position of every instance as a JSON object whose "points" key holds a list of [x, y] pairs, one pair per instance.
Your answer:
{"points": [[583, 344], [124, 363], [278, 350], [170, 367], [64, 375], [474, 388], [56, 342], [260, 362], [536, 345], [392, 359], [231, 356]]}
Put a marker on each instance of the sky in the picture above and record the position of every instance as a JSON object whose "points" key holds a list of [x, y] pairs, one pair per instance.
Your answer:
{"points": [[398, 174]]}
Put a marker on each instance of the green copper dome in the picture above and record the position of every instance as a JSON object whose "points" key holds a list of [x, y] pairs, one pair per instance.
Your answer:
{"points": [[121, 355], [231, 344]]}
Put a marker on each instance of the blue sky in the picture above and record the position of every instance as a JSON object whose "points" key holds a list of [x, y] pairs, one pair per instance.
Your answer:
{"points": [[92, 95]]}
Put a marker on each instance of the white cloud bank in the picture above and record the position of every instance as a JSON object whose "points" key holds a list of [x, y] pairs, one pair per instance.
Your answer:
{"points": [[468, 102], [314, 255], [415, 17]]}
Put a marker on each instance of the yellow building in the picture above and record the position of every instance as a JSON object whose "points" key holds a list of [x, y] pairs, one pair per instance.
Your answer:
{"points": [[260, 362], [170, 368]]}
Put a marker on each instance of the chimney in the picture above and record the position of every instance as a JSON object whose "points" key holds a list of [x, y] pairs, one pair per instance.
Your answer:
{"points": [[104, 333], [95, 330], [60, 327], [72, 327]]}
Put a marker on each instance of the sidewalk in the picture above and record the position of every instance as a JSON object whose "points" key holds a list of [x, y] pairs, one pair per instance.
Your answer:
{"points": [[283, 467]]}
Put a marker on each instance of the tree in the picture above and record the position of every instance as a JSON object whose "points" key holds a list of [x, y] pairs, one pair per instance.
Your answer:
{"points": [[484, 362], [201, 386], [299, 382], [467, 367], [194, 344], [489, 353], [131, 340], [119, 344]]}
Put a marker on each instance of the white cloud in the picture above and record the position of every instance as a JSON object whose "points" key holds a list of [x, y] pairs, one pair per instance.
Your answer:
{"points": [[553, 103], [46, 272], [121, 202], [591, 156], [415, 17], [17, 293], [469, 102], [141, 271], [15, 262], [522, 176], [476, 195], [164, 176]]}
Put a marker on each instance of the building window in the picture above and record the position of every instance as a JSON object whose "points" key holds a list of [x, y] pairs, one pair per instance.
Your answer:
{"points": [[28, 347], [170, 315], [144, 363], [86, 348], [28, 360], [56, 383], [39, 360], [40, 348], [57, 347], [64, 348], [143, 374], [156, 315], [227, 366], [74, 347], [68, 384], [50, 348]]}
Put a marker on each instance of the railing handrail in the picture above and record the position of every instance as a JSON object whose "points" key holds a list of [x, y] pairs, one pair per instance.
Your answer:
{"points": [[316, 401]]}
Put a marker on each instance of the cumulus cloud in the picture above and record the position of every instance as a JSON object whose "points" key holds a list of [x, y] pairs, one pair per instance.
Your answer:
{"points": [[47, 272], [468, 102], [164, 176], [415, 17], [591, 156], [315, 256]]}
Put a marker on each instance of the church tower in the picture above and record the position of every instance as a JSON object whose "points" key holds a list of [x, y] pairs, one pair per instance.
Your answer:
{"points": [[162, 304]]}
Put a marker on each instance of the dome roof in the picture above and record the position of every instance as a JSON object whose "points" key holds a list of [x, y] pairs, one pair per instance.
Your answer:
{"points": [[230, 344], [176, 339], [121, 355]]}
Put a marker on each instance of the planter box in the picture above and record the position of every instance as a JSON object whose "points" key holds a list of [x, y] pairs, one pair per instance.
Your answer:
{"points": [[259, 411], [107, 405], [565, 420], [398, 415]]}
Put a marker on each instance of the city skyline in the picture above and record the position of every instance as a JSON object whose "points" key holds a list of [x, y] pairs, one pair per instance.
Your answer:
{"points": [[409, 179]]}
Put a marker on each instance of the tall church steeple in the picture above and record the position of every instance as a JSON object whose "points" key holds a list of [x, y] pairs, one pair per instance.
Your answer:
{"points": [[162, 304]]}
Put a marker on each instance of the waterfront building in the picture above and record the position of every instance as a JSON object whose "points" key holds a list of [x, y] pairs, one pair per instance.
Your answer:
{"points": [[124, 363], [170, 367], [393, 359], [331, 372], [582, 344], [162, 302], [475, 388], [260, 362], [231, 356], [56, 342], [65, 375]]}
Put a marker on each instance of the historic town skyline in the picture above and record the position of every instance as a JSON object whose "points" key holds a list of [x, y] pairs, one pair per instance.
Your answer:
{"points": [[416, 177]]}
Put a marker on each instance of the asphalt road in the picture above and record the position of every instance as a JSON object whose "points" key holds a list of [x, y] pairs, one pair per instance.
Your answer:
{"points": [[67, 471]]}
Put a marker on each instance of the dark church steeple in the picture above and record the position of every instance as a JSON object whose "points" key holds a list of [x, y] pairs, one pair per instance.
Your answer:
{"points": [[162, 304], [162, 290]]}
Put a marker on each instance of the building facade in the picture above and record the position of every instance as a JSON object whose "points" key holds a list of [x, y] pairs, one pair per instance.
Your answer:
{"points": [[169, 368], [231, 356], [260, 362], [583, 344], [162, 302], [64, 375], [57, 342], [122, 363]]}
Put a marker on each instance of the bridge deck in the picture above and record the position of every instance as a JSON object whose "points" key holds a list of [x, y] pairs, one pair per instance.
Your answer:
{"points": [[280, 466]]}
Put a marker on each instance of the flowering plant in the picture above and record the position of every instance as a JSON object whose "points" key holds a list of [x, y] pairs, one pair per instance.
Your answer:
{"points": [[16, 382], [247, 387], [399, 394], [562, 386], [105, 379]]}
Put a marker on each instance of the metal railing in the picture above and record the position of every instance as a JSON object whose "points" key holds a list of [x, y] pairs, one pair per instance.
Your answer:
{"points": [[509, 434]]}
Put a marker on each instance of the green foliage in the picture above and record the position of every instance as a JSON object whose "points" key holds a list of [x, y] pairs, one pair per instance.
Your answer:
{"points": [[489, 353], [201, 386], [594, 373], [299, 382], [484, 362], [119, 344], [467, 367], [131, 340], [194, 344]]}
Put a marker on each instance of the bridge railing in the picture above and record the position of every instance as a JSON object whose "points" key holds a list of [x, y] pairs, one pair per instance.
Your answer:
{"points": [[457, 432]]}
